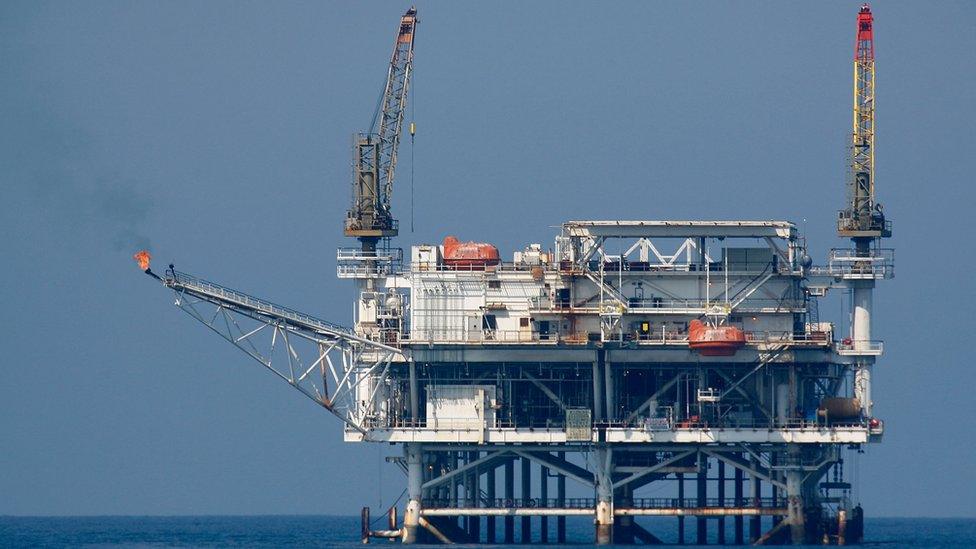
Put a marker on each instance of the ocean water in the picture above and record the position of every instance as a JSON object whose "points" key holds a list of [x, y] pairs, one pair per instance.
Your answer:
{"points": [[332, 531]]}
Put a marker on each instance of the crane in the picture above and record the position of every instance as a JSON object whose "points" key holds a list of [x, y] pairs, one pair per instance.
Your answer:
{"points": [[863, 219], [339, 368], [375, 152]]}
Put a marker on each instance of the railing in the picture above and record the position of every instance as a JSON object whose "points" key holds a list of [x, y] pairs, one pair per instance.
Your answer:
{"points": [[663, 337], [848, 221], [844, 262], [694, 503], [589, 503], [464, 423], [355, 263], [510, 503], [357, 254], [668, 306], [493, 336], [363, 270], [565, 267], [179, 280], [860, 347], [642, 424]]}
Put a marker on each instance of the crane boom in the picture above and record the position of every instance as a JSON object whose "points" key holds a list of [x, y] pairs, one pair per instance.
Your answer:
{"points": [[375, 152], [326, 362], [863, 217]]}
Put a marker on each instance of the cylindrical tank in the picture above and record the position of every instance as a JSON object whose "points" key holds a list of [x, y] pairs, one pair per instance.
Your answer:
{"points": [[840, 408]]}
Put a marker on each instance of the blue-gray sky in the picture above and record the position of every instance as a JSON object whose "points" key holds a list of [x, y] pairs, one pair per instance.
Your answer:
{"points": [[220, 133]]}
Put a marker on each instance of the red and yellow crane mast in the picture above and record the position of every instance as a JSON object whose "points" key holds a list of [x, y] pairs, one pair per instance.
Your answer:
{"points": [[863, 218]]}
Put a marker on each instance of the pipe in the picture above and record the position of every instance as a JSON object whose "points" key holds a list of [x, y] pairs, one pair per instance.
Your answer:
{"points": [[701, 511], [414, 395], [737, 501], [618, 512], [510, 496], [701, 485], [507, 511], [526, 536], [721, 501], [544, 502], [560, 501], [490, 494], [597, 393], [433, 530]]}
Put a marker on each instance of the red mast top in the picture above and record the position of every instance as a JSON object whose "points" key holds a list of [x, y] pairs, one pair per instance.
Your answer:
{"points": [[864, 46]]}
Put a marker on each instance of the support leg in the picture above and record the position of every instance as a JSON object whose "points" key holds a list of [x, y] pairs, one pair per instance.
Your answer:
{"points": [[526, 500], [411, 518], [604, 496], [544, 502], [721, 501], [561, 502], [755, 526], [681, 503], [509, 498], [739, 479], [701, 485], [474, 500], [490, 494], [794, 506]]}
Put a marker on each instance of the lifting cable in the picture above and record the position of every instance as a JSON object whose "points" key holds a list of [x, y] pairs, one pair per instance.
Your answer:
{"points": [[413, 131]]}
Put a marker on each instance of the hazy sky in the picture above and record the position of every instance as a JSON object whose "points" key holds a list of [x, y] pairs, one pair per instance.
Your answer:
{"points": [[220, 133]]}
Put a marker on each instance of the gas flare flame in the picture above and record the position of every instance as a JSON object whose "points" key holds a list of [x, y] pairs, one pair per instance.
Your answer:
{"points": [[143, 258]]}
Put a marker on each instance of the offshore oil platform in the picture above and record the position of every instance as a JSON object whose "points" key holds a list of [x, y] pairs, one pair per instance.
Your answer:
{"points": [[626, 355]]}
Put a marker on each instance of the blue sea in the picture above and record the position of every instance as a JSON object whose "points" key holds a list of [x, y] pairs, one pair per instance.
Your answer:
{"points": [[332, 531]]}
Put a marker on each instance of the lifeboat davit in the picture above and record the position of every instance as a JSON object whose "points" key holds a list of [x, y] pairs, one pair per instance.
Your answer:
{"points": [[714, 340], [469, 255]]}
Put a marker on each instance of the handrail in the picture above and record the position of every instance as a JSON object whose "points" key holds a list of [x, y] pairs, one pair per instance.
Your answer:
{"points": [[183, 281]]}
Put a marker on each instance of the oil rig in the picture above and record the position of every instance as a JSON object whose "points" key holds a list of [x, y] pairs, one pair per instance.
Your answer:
{"points": [[625, 355]]}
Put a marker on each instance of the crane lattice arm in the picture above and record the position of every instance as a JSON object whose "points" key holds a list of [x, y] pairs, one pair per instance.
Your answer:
{"points": [[863, 217], [375, 152], [326, 362]]}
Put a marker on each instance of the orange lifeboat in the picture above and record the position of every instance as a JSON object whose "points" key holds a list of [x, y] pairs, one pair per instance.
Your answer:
{"points": [[473, 256], [714, 340]]}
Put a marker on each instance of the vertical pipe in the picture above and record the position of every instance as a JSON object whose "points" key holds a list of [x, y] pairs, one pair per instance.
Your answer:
{"points": [[681, 504], [474, 499], [414, 395], [610, 399], [604, 496], [701, 522], [597, 392], [721, 501], [411, 518], [561, 503], [526, 500], [509, 500], [755, 526], [739, 478], [490, 495], [773, 489], [544, 502]]}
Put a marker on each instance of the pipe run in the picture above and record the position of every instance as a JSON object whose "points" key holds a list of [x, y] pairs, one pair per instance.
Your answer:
{"points": [[618, 512]]}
